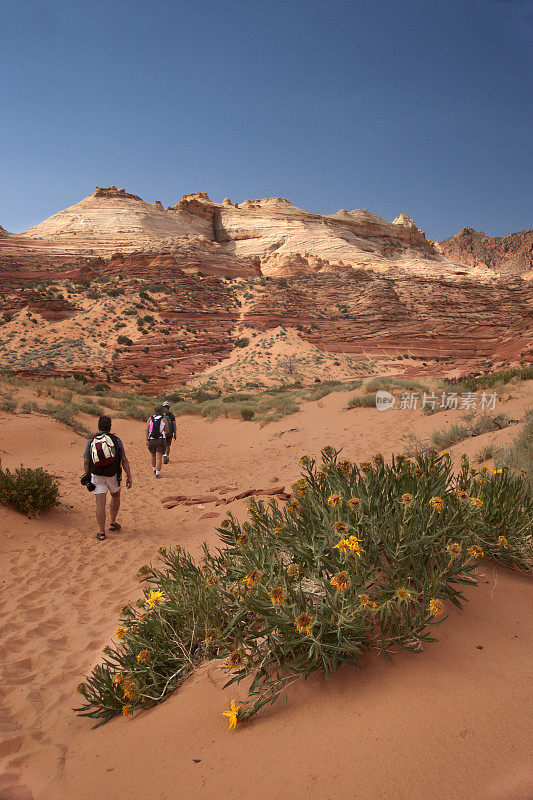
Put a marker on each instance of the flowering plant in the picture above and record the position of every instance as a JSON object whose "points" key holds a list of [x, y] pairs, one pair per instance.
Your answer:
{"points": [[369, 558]]}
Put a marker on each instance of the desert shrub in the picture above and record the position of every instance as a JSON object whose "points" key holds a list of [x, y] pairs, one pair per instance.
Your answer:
{"points": [[124, 340], [449, 436], [64, 413], [473, 427], [486, 452], [8, 405], [89, 407], [362, 401], [247, 413], [28, 407], [365, 557], [384, 383], [30, 491], [520, 453], [242, 342], [491, 379]]}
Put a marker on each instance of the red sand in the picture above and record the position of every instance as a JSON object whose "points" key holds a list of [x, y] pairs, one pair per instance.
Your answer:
{"points": [[449, 723]]}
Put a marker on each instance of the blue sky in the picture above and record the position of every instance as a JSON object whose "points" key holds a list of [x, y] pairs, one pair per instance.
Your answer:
{"points": [[422, 106]]}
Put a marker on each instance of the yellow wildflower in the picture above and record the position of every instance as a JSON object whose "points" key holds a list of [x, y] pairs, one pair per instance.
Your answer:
{"points": [[462, 493], [496, 471], [155, 598], [210, 636], [343, 545], [293, 507], [303, 622], [355, 545], [365, 466], [232, 715], [344, 466], [242, 539], [437, 503], [334, 500], [234, 661], [436, 607], [407, 499], [341, 580], [126, 711], [403, 594], [366, 602], [378, 459], [354, 502], [277, 595], [502, 541], [300, 487], [253, 577], [212, 580], [129, 687], [277, 530], [118, 677], [120, 632], [475, 552], [143, 657], [80, 688], [454, 549], [476, 503]]}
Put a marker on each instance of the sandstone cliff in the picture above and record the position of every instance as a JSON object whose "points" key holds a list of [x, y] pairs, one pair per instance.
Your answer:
{"points": [[277, 236], [509, 255]]}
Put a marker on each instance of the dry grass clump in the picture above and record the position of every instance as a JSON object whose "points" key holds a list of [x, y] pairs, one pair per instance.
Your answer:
{"points": [[364, 557]]}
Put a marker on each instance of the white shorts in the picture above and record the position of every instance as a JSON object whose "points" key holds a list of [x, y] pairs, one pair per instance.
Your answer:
{"points": [[103, 483]]}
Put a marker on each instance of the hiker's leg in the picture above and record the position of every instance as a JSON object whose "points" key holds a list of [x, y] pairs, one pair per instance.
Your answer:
{"points": [[158, 461], [153, 459], [100, 510], [114, 506], [167, 451]]}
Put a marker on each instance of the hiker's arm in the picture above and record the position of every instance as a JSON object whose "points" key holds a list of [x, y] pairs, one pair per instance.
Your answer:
{"points": [[127, 470], [147, 430], [86, 466]]}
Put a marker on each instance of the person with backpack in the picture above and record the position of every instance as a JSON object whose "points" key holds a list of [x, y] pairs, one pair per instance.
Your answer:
{"points": [[103, 459], [157, 431], [171, 419]]}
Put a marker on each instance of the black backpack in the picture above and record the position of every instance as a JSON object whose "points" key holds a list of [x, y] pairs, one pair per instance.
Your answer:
{"points": [[155, 427]]}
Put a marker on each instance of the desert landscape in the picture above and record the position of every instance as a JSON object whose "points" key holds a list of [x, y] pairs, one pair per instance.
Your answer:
{"points": [[272, 331]]}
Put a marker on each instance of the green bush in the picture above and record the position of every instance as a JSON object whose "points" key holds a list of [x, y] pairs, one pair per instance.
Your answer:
{"points": [[365, 557], [124, 340], [363, 401], [30, 491], [8, 405], [247, 413]]}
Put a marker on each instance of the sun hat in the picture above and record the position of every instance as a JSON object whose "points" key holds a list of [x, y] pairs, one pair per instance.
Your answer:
{"points": [[166, 403]]}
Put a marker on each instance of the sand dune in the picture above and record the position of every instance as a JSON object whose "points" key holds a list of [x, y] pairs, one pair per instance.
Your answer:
{"points": [[449, 723]]}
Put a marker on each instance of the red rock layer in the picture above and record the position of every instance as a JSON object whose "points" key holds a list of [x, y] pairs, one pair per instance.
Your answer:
{"points": [[512, 254]]}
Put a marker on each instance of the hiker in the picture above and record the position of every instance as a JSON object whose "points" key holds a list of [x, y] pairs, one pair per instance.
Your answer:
{"points": [[157, 431], [171, 419], [103, 459]]}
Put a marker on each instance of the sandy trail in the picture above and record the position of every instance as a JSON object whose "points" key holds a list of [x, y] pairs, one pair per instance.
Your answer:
{"points": [[449, 723]]}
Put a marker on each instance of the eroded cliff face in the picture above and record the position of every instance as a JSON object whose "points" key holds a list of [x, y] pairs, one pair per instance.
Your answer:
{"points": [[508, 255], [270, 231], [131, 292]]}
